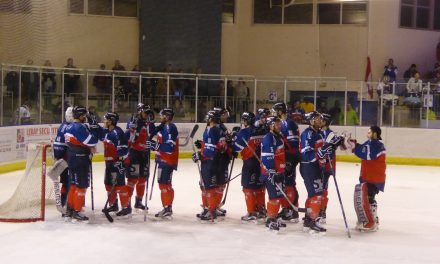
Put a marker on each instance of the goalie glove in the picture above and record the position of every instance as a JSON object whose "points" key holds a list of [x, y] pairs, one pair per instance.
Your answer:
{"points": [[151, 144]]}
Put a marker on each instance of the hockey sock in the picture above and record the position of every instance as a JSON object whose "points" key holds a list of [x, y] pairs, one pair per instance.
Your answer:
{"points": [[123, 195], [324, 199], [250, 198], [204, 199], [291, 195], [131, 182], [219, 193], [140, 187], [71, 196], [80, 198], [211, 199], [111, 195], [261, 198], [273, 206], [315, 206], [166, 194]]}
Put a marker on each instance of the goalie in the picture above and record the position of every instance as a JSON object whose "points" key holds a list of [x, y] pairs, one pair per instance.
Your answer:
{"points": [[372, 178]]}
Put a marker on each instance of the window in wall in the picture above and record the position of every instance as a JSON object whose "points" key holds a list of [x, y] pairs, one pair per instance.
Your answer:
{"points": [[267, 11], [420, 14], [329, 13], [11, 6], [228, 14], [301, 12], [354, 13], [100, 7], [126, 8]]}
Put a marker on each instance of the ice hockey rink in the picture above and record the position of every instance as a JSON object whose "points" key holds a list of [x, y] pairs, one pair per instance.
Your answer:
{"points": [[408, 210]]}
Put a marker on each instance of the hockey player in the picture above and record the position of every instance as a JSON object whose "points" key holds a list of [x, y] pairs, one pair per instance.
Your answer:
{"points": [[328, 170], [80, 146], [247, 142], [115, 155], [224, 158], [262, 115], [290, 135], [213, 145], [273, 164], [312, 155], [60, 154], [167, 147], [372, 178], [139, 129]]}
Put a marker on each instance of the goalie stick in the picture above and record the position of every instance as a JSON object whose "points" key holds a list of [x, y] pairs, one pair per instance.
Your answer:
{"points": [[280, 188]]}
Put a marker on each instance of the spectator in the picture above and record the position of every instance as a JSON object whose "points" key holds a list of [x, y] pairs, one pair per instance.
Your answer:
{"points": [[181, 86], [30, 82], [12, 82], [71, 78], [390, 70], [335, 112], [297, 112], [413, 91], [384, 86], [132, 87], [230, 89], [323, 107], [48, 81], [307, 105], [119, 67], [102, 81], [244, 94], [352, 118], [409, 73], [23, 115], [179, 110]]}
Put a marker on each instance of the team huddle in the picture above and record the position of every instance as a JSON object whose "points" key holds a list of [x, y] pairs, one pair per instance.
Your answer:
{"points": [[269, 143]]}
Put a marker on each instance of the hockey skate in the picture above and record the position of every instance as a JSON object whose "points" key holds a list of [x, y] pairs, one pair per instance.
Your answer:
{"points": [[249, 217], [166, 213], [78, 216], [124, 211], [220, 212], [289, 215], [209, 217], [138, 204], [323, 216], [68, 213], [272, 224], [205, 211], [315, 227]]}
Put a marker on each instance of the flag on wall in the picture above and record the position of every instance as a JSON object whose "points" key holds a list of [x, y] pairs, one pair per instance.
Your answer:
{"points": [[368, 78]]}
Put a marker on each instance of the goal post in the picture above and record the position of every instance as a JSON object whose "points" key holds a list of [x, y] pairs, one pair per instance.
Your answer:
{"points": [[29, 200]]}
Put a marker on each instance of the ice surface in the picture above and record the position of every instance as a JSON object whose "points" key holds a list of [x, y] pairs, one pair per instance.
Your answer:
{"points": [[408, 210]]}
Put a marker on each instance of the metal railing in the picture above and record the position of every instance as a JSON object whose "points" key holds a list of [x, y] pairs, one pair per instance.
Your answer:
{"points": [[48, 90]]}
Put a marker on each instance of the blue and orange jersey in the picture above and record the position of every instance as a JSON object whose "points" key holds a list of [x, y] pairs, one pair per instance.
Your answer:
{"points": [[325, 134], [168, 152], [213, 143], [373, 165], [59, 144], [79, 139], [290, 132], [273, 154], [252, 138], [138, 131], [115, 143], [311, 141]]}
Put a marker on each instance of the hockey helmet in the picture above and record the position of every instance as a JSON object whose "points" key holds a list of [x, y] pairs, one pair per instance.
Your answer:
{"points": [[327, 118], [311, 116], [377, 130], [113, 117], [213, 115], [279, 107], [168, 112], [220, 110], [272, 120], [263, 112], [140, 107], [69, 114], [79, 111], [249, 117]]}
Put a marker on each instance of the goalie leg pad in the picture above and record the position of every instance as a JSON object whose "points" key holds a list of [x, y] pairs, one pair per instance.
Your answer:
{"points": [[57, 169], [362, 205]]}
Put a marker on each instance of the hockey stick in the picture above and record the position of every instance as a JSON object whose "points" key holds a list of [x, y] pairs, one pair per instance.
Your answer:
{"points": [[152, 183], [106, 213], [301, 210], [339, 197], [227, 183], [91, 187], [234, 177], [191, 136]]}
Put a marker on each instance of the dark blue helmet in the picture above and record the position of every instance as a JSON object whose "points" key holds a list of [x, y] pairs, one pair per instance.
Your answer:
{"points": [[311, 115], [168, 112], [326, 118], [272, 120], [213, 115], [249, 117], [79, 111], [279, 107], [112, 116], [263, 112]]}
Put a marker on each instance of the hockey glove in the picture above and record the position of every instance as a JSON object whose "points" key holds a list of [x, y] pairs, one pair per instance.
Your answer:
{"points": [[196, 156], [325, 151], [274, 177], [198, 144], [151, 144]]}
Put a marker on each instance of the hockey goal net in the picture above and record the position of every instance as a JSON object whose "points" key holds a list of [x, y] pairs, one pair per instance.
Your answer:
{"points": [[28, 202]]}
